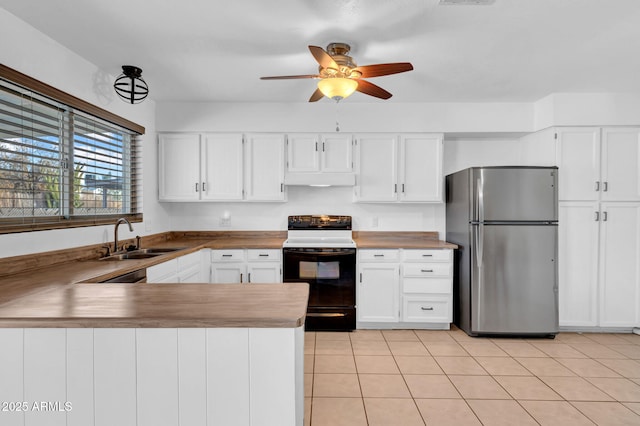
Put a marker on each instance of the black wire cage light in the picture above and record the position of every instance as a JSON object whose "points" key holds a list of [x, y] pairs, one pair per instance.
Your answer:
{"points": [[130, 86]]}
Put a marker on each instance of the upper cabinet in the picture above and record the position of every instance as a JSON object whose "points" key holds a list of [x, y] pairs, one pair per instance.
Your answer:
{"points": [[309, 153], [179, 167], [405, 168], [598, 164], [319, 159], [264, 167], [221, 167]]}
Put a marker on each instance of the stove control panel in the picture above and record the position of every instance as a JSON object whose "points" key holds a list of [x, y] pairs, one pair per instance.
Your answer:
{"points": [[311, 222]]}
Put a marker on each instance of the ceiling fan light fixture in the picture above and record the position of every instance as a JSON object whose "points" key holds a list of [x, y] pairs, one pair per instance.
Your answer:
{"points": [[337, 88], [130, 86]]}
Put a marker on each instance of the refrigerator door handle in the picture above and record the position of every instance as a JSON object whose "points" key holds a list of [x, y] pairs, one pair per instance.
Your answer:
{"points": [[480, 200]]}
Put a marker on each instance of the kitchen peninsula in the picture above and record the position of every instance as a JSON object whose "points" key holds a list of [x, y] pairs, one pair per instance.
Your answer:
{"points": [[156, 354], [141, 354]]}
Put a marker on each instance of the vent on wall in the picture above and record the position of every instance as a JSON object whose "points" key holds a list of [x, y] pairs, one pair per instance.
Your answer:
{"points": [[467, 2]]}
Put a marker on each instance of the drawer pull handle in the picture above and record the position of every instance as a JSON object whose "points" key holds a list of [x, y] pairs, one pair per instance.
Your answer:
{"points": [[378, 255], [263, 255], [427, 255], [430, 308], [426, 270], [227, 255]]}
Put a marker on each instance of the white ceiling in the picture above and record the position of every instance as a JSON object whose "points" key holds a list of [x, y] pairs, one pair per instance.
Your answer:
{"points": [[214, 50]]}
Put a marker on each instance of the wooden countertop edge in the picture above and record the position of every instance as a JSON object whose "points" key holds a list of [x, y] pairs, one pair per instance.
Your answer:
{"points": [[149, 323]]}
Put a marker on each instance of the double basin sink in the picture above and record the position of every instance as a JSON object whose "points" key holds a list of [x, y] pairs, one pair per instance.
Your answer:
{"points": [[144, 253]]}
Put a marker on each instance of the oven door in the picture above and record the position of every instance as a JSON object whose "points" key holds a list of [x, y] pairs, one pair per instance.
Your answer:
{"points": [[331, 275]]}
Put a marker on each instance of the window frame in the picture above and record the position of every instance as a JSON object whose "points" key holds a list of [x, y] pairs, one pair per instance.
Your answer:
{"points": [[84, 110]]}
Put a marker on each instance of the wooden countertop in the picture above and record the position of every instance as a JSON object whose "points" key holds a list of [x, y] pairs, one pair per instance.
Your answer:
{"points": [[406, 240], [50, 293], [161, 305]]}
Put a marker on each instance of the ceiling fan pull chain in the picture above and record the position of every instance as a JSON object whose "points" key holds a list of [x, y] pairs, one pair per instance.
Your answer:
{"points": [[337, 114]]}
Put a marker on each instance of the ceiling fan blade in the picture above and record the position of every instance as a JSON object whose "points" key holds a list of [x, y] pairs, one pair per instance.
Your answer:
{"points": [[378, 70], [288, 77], [324, 59], [372, 90], [317, 95]]}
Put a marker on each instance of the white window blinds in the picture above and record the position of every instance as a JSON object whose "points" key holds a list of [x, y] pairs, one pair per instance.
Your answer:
{"points": [[58, 165]]}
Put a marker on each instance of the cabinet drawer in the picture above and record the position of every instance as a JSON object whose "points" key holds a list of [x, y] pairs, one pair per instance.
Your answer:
{"points": [[227, 255], [427, 285], [427, 270], [427, 309], [442, 255], [257, 255], [379, 255]]}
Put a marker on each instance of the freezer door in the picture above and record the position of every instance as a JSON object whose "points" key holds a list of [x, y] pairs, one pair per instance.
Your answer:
{"points": [[514, 279], [514, 194]]}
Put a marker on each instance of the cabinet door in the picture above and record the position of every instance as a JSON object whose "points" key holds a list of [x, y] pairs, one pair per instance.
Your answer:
{"points": [[376, 164], [336, 153], [421, 168], [264, 272], [378, 292], [163, 272], [191, 275], [179, 167], [221, 164], [620, 164], [578, 263], [578, 156], [619, 264], [264, 167], [228, 273], [303, 153]]}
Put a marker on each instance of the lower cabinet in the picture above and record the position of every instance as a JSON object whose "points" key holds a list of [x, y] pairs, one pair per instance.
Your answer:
{"points": [[599, 266], [405, 288], [183, 269], [378, 290], [246, 266]]}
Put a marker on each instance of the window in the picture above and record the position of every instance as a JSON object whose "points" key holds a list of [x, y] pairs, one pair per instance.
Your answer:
{"points": [[61, 167]]}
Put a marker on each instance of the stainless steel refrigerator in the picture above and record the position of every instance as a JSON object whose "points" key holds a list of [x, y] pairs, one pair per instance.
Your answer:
{"points": [[505, 221]]}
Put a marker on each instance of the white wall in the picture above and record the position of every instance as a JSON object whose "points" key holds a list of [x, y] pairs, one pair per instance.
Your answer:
{"points": [[40, 57]]}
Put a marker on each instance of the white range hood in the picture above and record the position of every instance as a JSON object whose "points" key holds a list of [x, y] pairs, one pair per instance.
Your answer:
{"points": [[320, 179]]}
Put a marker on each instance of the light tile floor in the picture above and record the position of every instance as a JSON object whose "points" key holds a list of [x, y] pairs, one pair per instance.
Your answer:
{"points": [[422, 377]]}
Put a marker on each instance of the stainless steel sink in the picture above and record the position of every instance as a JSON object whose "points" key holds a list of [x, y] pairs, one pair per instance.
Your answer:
{"points": [[144, 253], [131, 255], [158, 250]]}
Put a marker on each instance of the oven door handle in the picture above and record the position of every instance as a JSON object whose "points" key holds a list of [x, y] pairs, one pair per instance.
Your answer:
{"points": [[326, 314]]}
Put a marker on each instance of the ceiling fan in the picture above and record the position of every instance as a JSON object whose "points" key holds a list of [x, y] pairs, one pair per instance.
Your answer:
{"points": [[340, 76]]}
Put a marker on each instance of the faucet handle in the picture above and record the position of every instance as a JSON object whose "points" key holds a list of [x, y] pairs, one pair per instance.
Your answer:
{"points": [[138, 245], [108, 247]]}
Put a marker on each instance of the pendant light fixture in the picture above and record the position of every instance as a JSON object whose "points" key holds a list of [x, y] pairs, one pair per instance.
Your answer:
{"points": [[337, 88], [130, 86]]}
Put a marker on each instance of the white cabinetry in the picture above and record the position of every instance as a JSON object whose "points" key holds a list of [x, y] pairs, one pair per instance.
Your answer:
{"points": [[578, 263], [221, 167], [183, 269], [246, 266], [309, 153], [179, 167], [599, 164], [620, 264], [405, 288], [599, 240], [264, 167], [378, 288], [405, 168], [427, 286]]}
